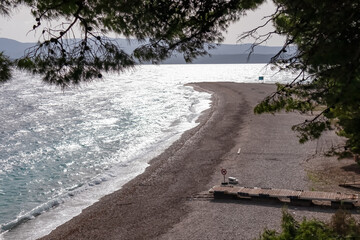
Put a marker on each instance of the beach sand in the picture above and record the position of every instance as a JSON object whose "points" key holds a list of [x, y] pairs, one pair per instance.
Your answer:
{"points": [[161, 203]]}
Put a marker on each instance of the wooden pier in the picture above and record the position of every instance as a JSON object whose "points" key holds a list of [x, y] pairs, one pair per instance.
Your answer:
{"points": [[294, 197]]}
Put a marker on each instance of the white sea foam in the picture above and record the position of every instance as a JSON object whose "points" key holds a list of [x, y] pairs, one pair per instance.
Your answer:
{"points": [[65, 150]]}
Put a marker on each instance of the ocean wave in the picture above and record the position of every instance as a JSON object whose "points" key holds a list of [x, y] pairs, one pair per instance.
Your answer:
{"points": [[81, 144], [22, 218]]}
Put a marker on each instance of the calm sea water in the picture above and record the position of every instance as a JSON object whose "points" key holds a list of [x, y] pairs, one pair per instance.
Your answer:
{"points": [[60, 151]]}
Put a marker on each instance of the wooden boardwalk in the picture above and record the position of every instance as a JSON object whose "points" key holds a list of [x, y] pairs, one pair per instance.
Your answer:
{"points": [[297, 197], [354, 184]]}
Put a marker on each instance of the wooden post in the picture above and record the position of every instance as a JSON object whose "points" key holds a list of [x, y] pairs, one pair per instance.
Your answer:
{"points": [[223, 172]]}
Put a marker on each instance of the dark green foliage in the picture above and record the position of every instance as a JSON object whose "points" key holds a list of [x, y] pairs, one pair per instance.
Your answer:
{"points": [[325, 32], [327, 35], [64, 66], [164, 27], [5, 7], [342, 226], [310, 130], [5, 68], [289, 225]]}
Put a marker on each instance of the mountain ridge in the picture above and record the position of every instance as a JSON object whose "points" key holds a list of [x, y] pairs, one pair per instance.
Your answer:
{"points": [[223, 54]]}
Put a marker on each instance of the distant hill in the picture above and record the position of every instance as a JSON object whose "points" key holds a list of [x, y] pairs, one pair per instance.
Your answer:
{"points": [[225, 53], [12, 48], [224, 59], [225, 49]]}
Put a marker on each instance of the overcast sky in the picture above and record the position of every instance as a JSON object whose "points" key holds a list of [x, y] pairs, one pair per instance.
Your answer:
{"points": [[19, 24]]}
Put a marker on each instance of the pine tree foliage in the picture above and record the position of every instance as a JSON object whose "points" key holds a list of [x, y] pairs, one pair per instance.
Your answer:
{"points": [[326, 34], [342, 226], [5, 68], [189, 27], [327, 61]]}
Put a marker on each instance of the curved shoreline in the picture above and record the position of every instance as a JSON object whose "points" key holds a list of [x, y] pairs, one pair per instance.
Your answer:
{"points": [[157, 204], [153, 202]]}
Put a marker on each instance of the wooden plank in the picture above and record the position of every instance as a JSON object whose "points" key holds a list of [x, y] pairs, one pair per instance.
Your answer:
{"points": [[281, 192], [232, 191], [325, 196], [257, 191], [266, 191], [350, 183], [254, 192], [276, 193], [350, 197], [308, 195], [286, 193], [244, 190]]}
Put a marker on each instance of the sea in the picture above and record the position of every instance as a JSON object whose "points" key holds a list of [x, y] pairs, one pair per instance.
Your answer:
{"points": [[61, 150]]}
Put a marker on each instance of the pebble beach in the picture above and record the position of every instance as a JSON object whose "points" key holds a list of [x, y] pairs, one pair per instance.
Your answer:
{"points": [[160, 203]]}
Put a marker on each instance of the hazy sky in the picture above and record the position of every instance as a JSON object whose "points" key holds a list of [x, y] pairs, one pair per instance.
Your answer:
{"points": [[19, 24]]}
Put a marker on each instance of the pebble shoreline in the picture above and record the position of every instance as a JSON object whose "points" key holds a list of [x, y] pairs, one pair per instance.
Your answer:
{"points": [[157, 204]]}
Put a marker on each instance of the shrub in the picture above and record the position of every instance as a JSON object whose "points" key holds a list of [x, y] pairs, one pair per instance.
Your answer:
{"points": [[342, 226]]}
